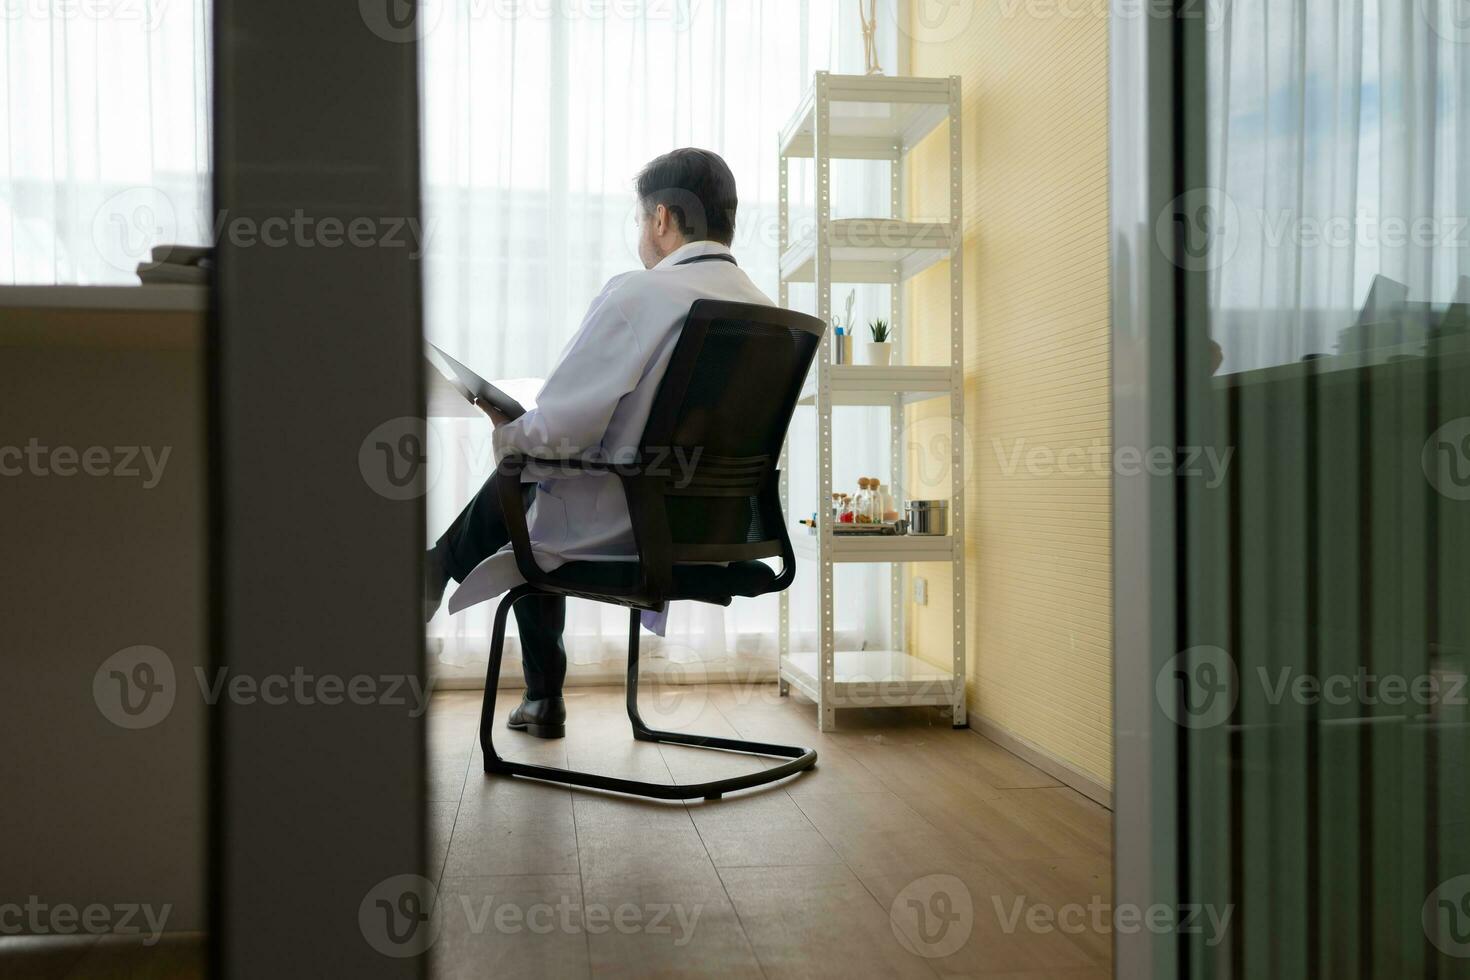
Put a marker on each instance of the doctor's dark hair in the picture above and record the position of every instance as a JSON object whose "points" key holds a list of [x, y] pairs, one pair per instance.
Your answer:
{"points": [[698, 189]]}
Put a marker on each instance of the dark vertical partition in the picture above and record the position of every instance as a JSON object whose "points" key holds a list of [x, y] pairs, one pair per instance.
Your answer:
{"points": [[314, 354]]}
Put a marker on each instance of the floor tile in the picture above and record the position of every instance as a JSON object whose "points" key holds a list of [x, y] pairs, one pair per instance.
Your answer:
{"points": [[817, 921], [657, 926], [485, 843], [768, 848], [509, 926]]}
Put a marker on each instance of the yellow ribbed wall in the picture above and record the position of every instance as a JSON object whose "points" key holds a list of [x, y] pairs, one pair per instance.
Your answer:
{"points": [[1036, 319]]}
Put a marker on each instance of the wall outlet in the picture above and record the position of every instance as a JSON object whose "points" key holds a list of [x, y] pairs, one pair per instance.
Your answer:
{"points": [[921, 591]]}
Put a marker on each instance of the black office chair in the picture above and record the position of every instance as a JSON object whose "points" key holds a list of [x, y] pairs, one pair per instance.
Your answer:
{"points": [[705, 508]]}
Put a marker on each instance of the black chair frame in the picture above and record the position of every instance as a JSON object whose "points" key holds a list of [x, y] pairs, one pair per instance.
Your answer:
{"points": [[646, 482]]}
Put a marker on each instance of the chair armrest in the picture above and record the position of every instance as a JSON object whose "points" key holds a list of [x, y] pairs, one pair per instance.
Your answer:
{"points": [[650, 531], [513, 513]]}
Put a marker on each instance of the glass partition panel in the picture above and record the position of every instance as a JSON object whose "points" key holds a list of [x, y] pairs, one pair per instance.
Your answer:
{"points": [[1323, 493]]}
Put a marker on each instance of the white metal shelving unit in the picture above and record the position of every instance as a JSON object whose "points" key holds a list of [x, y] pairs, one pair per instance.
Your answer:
{"points": [[863, 117]]}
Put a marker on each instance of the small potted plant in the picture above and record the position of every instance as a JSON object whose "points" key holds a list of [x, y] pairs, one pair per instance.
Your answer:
{"points": [[879, 351]]}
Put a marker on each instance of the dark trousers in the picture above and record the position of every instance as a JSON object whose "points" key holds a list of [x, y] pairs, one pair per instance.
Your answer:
{"points": [[476, 534]]}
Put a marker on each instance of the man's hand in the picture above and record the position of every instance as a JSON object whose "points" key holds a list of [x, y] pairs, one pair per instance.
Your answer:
{"points": [[497, 417]]}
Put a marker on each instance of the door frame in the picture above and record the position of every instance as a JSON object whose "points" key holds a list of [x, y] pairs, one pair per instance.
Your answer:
{"points": [[1157, 113]]}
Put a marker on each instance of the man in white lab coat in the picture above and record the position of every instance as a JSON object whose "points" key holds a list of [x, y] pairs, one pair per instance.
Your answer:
{"points": [[595, 403]]}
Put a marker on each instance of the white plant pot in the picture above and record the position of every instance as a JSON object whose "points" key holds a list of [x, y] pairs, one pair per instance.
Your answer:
{"points": [[877, 355]]}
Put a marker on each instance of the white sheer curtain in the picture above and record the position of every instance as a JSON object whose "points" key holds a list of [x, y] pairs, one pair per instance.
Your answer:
{"points": [[105, 118], [1340, 136], [537, 117]]}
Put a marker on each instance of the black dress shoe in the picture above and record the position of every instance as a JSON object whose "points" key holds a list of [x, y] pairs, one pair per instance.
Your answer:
{"points": [[546, 718]]}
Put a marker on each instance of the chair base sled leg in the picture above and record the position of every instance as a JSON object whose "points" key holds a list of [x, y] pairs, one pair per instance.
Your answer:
{"points": [[799, 758]]}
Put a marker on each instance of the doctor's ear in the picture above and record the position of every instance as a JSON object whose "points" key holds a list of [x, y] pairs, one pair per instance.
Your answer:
{"points": [[659, 219]]}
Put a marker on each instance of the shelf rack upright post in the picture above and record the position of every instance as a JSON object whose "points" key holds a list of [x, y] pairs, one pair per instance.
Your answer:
{"points": [[877, 118]]}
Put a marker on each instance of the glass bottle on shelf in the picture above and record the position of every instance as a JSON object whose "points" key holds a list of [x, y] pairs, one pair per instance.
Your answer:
{"points": [[842, 508], [887, 509], [862, 507]]}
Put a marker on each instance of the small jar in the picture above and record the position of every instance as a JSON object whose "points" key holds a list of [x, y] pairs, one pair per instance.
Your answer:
{"points": [[864, 505], [845, 513], [888, 509]]}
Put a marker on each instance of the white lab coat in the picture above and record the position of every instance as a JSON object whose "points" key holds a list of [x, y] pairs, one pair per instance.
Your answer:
{"points": [[595, 403]]}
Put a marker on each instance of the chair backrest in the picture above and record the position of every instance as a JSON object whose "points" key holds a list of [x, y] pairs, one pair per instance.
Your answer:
{"points": [[715, 433]]}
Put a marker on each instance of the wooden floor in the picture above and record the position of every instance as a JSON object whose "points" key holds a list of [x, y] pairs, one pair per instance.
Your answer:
{"points": [[912, 850]]}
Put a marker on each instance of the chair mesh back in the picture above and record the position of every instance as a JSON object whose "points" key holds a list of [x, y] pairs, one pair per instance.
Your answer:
{"points": [[725, 406]]}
